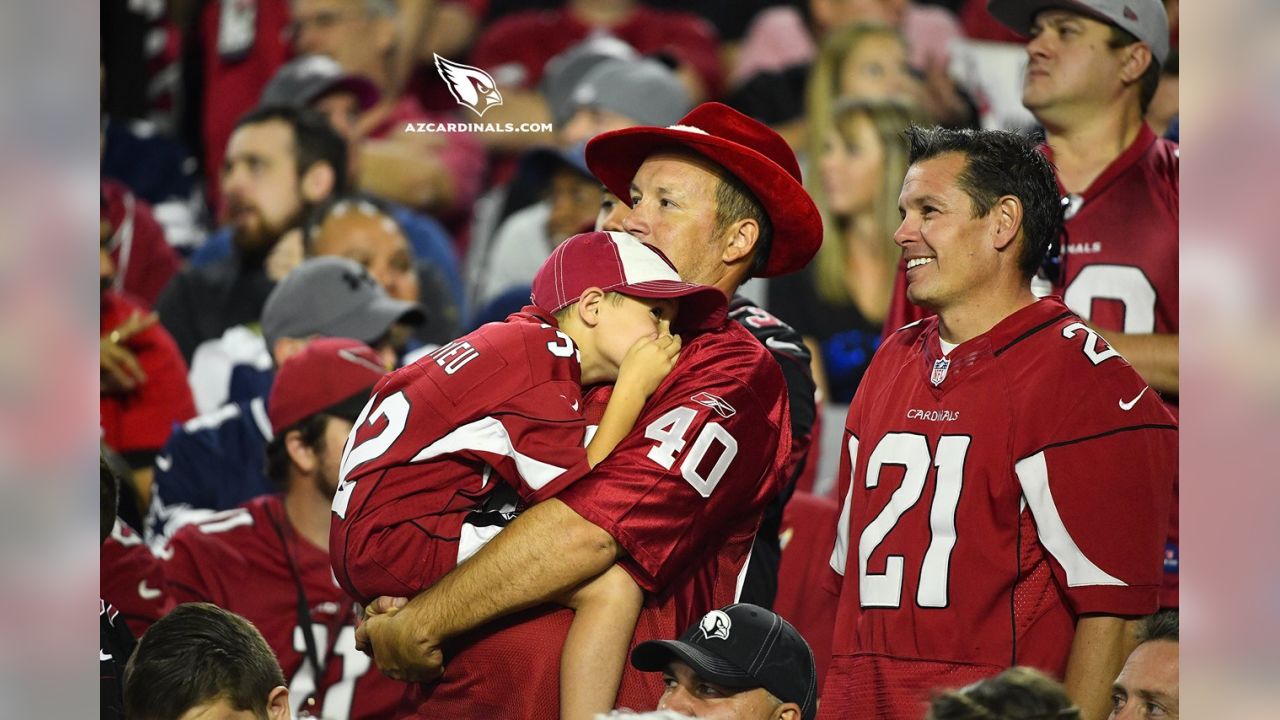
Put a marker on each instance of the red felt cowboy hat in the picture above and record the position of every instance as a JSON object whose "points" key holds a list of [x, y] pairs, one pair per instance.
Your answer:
{"points": [[757, 156]]}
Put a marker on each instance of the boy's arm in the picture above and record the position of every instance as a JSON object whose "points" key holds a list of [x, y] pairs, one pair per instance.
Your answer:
{"points": [[595, 650], [646, 365]]}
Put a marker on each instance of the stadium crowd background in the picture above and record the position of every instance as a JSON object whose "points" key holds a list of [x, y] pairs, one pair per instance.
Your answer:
{"points": [[456, 212]]}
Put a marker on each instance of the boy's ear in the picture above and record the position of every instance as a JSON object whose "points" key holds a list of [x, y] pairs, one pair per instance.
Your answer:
{"points": [[589, 306]]}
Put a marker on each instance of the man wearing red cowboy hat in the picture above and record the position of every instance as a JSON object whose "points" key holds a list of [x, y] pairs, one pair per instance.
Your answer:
{"points": [[678, 503]]}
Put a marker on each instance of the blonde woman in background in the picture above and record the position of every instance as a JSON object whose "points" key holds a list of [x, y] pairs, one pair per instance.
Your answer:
{"points": [[838, 303]]}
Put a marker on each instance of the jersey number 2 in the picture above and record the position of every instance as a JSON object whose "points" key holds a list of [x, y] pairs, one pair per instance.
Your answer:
{"points": [[395, 408], [912, 452]]}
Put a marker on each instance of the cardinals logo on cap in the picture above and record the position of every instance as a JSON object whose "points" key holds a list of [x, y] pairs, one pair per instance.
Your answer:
{"points": [[715, 624], [470, 86]]}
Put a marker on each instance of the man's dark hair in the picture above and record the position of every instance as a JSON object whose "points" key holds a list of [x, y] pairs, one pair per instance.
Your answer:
{"points": [[734, 202], [196, 654], [278, 461], [314, 139], [1161, 626], [1150, 79], [999, 163], [1019, 693]]}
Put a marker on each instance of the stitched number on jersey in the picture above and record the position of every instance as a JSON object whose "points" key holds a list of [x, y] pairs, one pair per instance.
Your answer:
{"points": [[338, 697], [1091, 347], [1124, 283], [670, 430], [912, 453], [395, 408], [563, 346]]}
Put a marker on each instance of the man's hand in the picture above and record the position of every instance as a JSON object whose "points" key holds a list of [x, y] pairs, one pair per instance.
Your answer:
{"points": [[388, 637], [120, 371]]}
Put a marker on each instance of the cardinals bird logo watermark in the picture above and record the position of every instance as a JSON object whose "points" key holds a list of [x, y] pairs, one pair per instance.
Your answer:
{"points": [[470, 86], [715, 624]]}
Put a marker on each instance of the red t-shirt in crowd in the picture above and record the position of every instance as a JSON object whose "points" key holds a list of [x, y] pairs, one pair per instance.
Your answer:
{"points": [[516, 48], [683, 494], [141, 419], [998, 493], [249, 560]]}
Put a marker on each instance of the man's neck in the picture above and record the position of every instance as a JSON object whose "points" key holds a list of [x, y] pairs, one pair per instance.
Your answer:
{"points": [[602, 13], [961, 323], [1083, 150], [308, 512]]}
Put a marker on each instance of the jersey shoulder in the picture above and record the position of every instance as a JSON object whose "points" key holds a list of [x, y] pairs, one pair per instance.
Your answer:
{"points": [[777, 336]]}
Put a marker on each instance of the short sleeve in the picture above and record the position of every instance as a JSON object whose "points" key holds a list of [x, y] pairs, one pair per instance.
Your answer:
{"points": [[1101, 509], [705, 453]]}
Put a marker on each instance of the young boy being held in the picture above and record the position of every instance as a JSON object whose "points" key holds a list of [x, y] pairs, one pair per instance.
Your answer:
{"points": [[495, 417]]}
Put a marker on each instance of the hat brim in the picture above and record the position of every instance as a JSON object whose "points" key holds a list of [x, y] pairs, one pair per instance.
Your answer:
{"points": [[366, 92], [702, 307], [371, 322], [1017, 15], [614, 157], [655, 655]]}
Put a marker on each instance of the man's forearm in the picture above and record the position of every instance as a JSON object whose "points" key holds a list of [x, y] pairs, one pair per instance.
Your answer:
{"points": [[1155, 357], [545, 552], [1098, 651]]}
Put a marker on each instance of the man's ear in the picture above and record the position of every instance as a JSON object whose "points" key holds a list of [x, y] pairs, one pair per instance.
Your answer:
{"points": [[1136, 60], [741, 239], [589, 306], [1008, 216], [318, 182], [287, 347], [302, 455], [787, 711], [278, 703]]}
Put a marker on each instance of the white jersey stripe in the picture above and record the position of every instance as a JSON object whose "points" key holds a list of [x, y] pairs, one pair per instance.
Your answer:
{"points": [[488, 435], [840, 553], [1033, 475]]}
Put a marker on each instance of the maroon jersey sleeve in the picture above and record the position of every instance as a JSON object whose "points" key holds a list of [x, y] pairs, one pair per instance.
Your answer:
{"points": [[705, 452], [199, 567], [1097, 476], [133, 579]]}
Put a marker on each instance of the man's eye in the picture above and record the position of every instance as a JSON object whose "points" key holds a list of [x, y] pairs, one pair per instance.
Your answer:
{"points": [[607, 206], [1155, 710], [709, 691], [1117, 700], [664, 202], [669, 681]]}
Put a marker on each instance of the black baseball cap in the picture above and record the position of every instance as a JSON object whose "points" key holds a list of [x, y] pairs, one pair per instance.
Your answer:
{"points": [[742, 646]]}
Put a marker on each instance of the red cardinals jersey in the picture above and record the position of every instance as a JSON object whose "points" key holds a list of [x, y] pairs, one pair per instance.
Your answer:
{"points": [[682, 494], [132, 579], [250, 561], [997, 493], [503, 403], [1120, 259]]}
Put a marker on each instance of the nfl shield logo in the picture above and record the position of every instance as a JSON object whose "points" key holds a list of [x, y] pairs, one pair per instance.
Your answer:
{"points": [[939, 371]]}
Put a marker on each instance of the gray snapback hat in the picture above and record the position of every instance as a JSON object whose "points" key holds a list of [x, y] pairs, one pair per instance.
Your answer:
{"points": [[566, 70], [1144, 19], [646, 91], [333, 297], [302, 80]]}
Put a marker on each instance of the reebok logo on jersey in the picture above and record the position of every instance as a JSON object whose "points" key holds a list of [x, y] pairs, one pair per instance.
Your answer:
{"points": [[722, 408], [715, 624], [1127, 406]]}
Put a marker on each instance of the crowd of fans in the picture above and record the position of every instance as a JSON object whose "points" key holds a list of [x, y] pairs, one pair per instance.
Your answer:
{"points": [[284, 219]]}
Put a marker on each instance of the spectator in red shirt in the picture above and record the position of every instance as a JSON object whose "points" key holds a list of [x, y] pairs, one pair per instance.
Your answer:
{"points": [[436, 172], [144, 379], [515, 50]]}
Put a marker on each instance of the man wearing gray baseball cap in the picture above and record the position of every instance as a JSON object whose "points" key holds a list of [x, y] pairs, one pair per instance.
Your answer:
{"points": [[215, 461], [741, 662]]}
